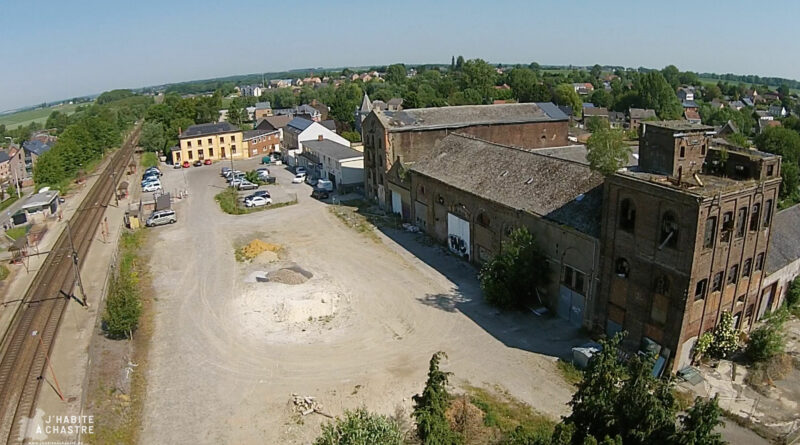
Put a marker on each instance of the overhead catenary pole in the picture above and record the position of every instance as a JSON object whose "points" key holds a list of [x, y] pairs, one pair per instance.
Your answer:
{"points": [[75, 268]]}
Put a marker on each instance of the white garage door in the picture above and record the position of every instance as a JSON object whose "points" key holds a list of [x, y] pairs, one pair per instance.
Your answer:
{"points": [[458, 235], [397, 203]]}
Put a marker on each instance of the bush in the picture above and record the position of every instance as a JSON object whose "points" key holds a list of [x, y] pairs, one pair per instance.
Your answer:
{"points": [[725, 337], [509, 280], [767, 340], [228, 201], [123, 306], [360, 427]]}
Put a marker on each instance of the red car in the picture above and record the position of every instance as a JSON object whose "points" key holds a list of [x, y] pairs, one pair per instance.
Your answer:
{"points": [[186, 164], [207, 162]]}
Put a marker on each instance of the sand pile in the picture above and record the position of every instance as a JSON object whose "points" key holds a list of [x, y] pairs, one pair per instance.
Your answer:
{"points": [[286, 276], [256, 247], [266, 257], [307, 307]]}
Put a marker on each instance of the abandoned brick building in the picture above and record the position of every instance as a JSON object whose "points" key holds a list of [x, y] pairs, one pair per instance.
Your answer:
{"points": [[470, 194], [684, 239], [409, 135]]}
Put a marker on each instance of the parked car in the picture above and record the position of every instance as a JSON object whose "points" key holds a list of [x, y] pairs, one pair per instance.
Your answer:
{"points": [[207, 162], [299, 170], [229, 173], [186, 164], [311, 181], [257, 201], [320, 194], [268, 179], [160, 217], [246, 185], [325, 184], [299, 178], [235, 176], [176, 165], [198, 163], [153, 169], [262, 193], [224, 170], [150, 180], [152, 187], [262, 170], [148, 176]]}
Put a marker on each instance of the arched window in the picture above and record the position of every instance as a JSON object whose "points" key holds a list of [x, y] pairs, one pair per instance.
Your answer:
{"points": [[622, 268], [661, 285], [627, 215], [754, 217], [669, 230]]}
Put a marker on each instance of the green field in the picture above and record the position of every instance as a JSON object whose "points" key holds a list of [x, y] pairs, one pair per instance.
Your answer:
{"points": [[14, 120], [713, 81]]}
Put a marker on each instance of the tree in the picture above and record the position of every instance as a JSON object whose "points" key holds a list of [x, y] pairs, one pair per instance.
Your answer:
{"points": [[602, 98], [607, 151], [738, 139], [593, 402], [360, 427], [784, 142], [396, 73], [658, 94], [236, 113], [523, 83], [479, 76], [596, 71], [433, 428], [596, 123], [352, 136], [672, 75], [793, 293], [699, 424], [152, 137], [711, 92], [345, 101], [509, 280], [565, 94], [459, 63]]}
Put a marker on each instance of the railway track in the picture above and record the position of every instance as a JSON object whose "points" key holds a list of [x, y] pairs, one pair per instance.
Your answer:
{"points": [[31, 335]]}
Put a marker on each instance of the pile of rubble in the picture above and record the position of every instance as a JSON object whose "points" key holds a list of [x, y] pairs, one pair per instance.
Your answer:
{"points": [[305, 405]]}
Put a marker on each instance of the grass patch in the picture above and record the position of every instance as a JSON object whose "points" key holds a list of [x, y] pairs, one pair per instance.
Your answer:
{"points": [[570, 372], [11, 200], [149, 159], [118, 408], [3, 272], [228, 200], [511, 417], [14, 120], [16, 233], [683, 399]]}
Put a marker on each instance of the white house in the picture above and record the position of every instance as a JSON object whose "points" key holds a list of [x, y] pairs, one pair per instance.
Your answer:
{"points": [[335, 162], [300, 130]]}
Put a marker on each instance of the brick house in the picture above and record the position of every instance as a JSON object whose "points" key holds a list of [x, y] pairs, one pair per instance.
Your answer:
{"points": [[684, 238], [469, 194], [638, 115], [261, 142], [411, 134]]}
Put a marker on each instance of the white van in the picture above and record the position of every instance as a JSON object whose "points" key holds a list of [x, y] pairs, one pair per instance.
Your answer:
{"points": [[161, 217]]}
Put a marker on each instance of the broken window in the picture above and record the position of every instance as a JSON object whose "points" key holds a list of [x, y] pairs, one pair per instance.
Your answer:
{"points": [[683, 152], [483, 219], [711, 231], [747, 267], [627, 215], [740, 221], [733, 274], [767, 212], [716, 285], [573, 279], [740, 300], [622, 269], [754, 217], [759, 261], [700, 289], [770, 170], [727, 226], [749, 311], [669, 230]]}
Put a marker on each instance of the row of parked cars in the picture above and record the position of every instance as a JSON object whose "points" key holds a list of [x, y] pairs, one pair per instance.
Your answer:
{"points": [[151, 180]]}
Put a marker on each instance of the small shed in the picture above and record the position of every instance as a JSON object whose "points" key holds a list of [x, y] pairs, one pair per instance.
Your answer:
{"points": [[122, 190], [41, 205], [132, 220]]}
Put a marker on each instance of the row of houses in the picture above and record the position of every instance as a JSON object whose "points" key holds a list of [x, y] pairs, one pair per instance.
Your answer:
{"points": [[660, 249], [16, 163]]}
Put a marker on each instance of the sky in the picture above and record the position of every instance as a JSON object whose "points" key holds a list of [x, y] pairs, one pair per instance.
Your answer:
{"points": [[53, 50]]}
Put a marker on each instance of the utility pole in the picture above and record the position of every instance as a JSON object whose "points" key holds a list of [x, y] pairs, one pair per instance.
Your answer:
{"points": [[114, 188], [75, 268]]}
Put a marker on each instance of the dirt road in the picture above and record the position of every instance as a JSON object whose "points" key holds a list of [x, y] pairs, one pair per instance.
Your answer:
{"points": [[229, 351]]}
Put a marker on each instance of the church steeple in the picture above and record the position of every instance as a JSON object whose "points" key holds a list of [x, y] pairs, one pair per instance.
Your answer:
{"points": [[366, 104]]}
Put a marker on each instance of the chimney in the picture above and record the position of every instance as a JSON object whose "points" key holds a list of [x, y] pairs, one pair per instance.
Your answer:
{"points": [[320, 137], [180, 131]]}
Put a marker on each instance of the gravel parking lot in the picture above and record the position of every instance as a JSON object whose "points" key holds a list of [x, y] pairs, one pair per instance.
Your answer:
{"points": [[333, 314]]}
